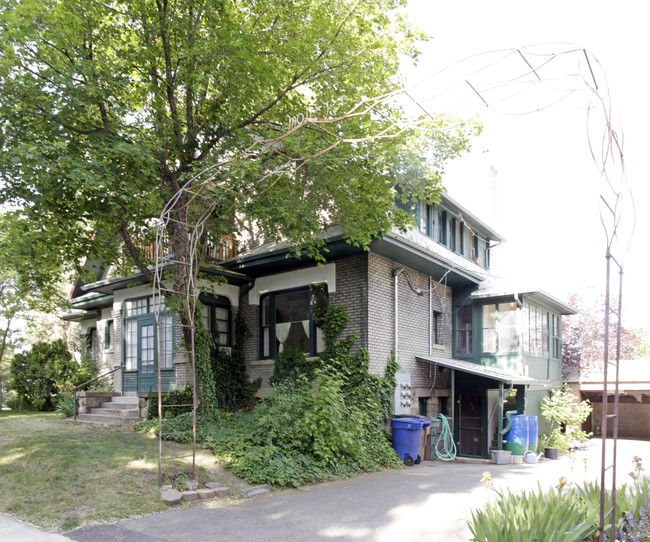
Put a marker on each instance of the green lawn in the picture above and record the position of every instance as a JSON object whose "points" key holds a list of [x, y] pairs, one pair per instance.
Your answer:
{"points": [[59, 475]]}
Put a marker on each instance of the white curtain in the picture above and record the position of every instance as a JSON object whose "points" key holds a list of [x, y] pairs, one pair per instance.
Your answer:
{"points": [[305, 326], [282, 333]]}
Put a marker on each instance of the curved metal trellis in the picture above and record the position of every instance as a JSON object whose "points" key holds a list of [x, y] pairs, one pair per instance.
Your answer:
{"points": [[518, 81]]}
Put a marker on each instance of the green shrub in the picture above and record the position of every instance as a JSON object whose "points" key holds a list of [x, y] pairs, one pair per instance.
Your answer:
{"points": [[39, 374], [65, 405], [566, 415], [16, 402], [173, 397], [315, 426], [290, 363]]}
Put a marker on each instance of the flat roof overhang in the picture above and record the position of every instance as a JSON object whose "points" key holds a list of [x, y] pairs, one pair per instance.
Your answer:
{"points": [[457, 270], [425, 256], [492, 373], [109, 286]]}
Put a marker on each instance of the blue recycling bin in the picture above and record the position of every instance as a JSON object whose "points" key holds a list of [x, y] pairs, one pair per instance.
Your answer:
{"points": [[406, 438]]}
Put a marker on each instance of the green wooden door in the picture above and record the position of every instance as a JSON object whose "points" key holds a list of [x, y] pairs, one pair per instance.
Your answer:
{"points": [[147, 358]]}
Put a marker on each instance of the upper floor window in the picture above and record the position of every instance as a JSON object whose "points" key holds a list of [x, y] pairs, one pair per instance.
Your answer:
{"points": [[542, 332], [464, 330], [288, 320], [500, 328]]}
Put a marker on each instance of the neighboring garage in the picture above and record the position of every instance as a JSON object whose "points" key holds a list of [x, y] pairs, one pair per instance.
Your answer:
{"points": [[634, 399]]}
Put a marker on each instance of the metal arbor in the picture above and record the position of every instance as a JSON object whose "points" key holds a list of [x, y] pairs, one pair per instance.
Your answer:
{"points": [[523, 76]]}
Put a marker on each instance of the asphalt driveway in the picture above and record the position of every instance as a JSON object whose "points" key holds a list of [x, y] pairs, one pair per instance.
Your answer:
{"points": [[427, 502]]}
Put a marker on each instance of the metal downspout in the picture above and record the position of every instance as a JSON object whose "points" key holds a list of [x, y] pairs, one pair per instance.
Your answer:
{"points": [[500, 421], [396, 274]]}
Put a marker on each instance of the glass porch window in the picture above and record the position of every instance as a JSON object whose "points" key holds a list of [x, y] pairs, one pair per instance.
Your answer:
{"points": [[464, 330]]}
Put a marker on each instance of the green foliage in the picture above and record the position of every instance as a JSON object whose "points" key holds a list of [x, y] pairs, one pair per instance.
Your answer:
{"points": [[173, 397], [233, 389], [552, 516], [205, 378], [290, 364], [17, 402], [308, 430], [39, 374], [90, 135], [563, 515], [566, 415], [65, 405]]}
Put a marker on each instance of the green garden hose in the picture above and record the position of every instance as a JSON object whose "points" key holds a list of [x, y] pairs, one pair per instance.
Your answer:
{"points": [[444, 448]]}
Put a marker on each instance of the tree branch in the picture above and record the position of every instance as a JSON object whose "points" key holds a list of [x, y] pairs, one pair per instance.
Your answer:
{"points": [[133, 250]]}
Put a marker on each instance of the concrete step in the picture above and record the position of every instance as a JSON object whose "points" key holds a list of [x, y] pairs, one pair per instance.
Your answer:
{"points": [[124, 401], [99, 419], [131, 413]]}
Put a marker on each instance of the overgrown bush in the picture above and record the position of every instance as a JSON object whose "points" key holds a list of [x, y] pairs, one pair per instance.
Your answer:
{"points": [[233, 389], [290, 364], [39, 374], [309, 429], [173, 397]]}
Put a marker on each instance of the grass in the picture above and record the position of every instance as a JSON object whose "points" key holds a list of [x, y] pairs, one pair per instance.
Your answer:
{"points": [[60, 475]]}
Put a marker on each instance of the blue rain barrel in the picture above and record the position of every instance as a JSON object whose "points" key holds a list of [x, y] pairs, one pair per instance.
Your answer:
{"points": [[517, 437], [532, 433]]}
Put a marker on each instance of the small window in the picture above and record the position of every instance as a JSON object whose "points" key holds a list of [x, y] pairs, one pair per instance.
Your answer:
{"points": [[464, 330], [108, 335], [437, 318]]}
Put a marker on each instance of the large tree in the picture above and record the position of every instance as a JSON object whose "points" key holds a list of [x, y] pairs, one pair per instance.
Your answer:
{"points": [[109, 107]]}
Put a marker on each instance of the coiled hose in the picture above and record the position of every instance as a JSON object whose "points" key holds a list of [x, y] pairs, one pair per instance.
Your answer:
{"points": [[444, 448]]}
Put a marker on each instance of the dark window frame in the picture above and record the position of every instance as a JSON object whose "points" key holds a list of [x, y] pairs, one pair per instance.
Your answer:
{"points": [[267, 302]]}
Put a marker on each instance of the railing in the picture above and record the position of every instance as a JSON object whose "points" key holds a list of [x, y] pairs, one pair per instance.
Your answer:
{"points": [[74, 391], [224, 248]]}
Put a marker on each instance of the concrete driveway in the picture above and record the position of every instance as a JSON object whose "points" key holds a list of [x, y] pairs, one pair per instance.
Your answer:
{"points": [[427, 502]]}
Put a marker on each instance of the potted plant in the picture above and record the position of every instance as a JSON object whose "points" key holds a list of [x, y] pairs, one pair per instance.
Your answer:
{"points": [[566, 415]]}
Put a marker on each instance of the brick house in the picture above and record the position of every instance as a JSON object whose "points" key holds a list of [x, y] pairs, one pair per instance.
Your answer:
{"points": [[465, 344]]}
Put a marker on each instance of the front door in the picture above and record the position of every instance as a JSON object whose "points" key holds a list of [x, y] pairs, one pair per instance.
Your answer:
{"points": [[470, 427], [147, 367]]}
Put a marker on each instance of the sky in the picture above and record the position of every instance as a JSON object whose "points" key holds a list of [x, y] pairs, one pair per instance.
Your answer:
{"points": [[531, 174]]}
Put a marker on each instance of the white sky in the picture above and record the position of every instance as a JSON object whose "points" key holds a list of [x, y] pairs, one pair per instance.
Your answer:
{"points": [[547, 186]]}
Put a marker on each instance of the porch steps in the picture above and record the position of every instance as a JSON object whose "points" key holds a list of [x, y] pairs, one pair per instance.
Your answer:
{"points": [[118, 412]]}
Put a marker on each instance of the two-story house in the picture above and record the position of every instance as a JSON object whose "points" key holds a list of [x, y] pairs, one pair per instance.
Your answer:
{"points": [[465, 343]]}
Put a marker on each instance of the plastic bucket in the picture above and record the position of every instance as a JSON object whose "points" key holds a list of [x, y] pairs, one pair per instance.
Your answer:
{"points": [[406, 438]]}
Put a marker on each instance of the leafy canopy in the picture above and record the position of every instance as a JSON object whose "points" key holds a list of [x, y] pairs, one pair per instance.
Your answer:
{"points": [[109, 107]]}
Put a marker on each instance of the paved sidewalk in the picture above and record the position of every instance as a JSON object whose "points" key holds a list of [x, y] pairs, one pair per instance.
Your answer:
{"points": [[12, 530], [428, 502]]}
